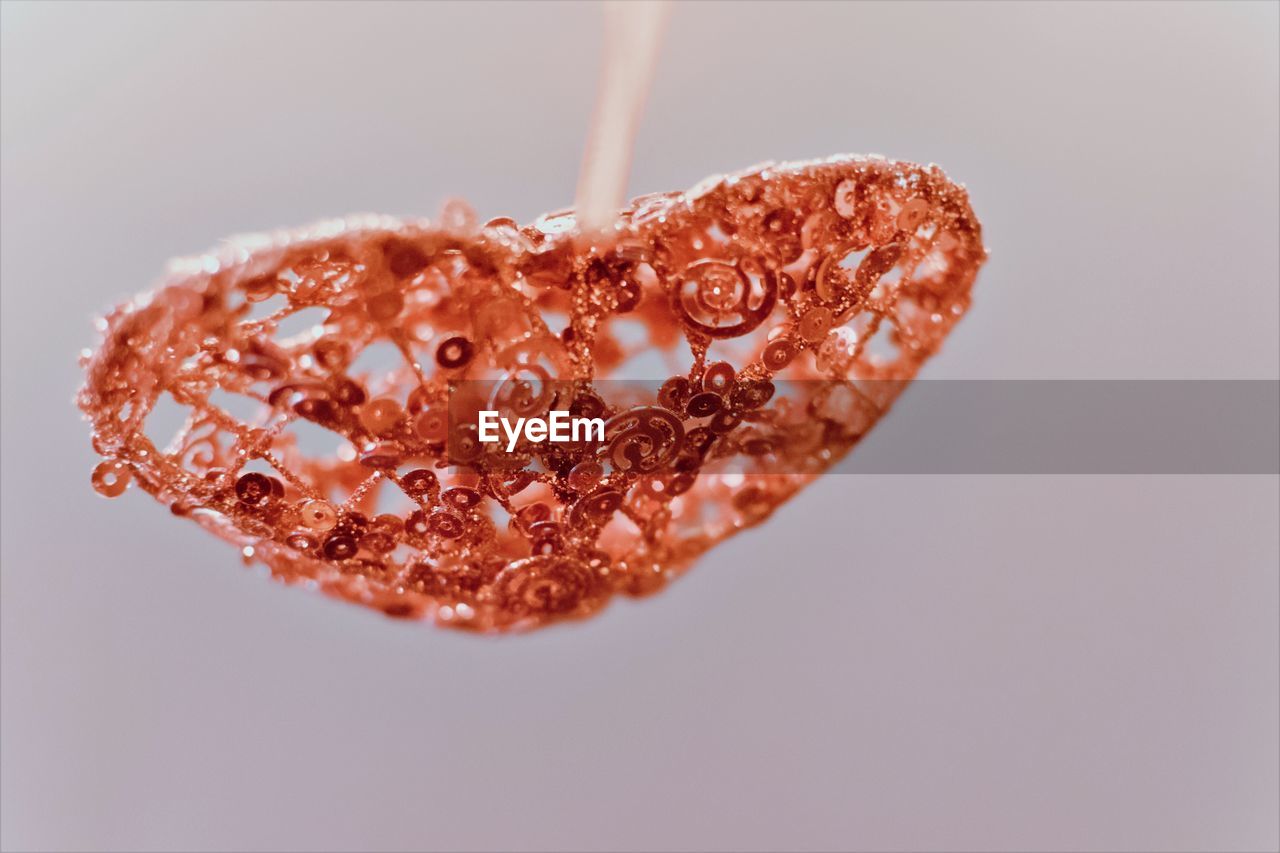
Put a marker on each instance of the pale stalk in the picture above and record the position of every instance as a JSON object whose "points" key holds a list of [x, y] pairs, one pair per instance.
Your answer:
{"points": [[633, 32]]}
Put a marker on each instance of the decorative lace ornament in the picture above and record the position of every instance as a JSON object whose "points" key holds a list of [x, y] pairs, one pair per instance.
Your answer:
{"points": [[833, 280]]}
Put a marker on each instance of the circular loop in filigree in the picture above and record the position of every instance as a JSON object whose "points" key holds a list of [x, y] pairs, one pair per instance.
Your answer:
{"points": [[596, 508], [545, 585], [525, 391], [720, 299], [642, 439]]}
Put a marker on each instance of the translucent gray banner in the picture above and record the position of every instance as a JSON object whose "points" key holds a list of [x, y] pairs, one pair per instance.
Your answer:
{"points": [[1076, 427], [925, 427]]}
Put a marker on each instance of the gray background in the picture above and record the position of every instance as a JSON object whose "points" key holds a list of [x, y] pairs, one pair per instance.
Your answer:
{"points": [[897, 662]]}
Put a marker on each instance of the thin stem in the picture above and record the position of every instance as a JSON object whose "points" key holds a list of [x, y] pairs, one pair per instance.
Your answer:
{"points": [[632, 34]]}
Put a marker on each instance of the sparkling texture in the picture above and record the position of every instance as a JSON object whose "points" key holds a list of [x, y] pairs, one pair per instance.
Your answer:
{"points": [[785, 272]]}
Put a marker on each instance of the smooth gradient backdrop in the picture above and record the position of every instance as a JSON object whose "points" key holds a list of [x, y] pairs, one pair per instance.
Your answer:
{"points": [[891, 663]]}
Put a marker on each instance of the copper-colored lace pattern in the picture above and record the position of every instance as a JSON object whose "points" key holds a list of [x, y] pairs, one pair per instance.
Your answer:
{"points": [[847, 272]]}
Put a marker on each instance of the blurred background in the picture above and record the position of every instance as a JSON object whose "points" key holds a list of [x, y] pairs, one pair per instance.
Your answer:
{"points": [[891, 663]]}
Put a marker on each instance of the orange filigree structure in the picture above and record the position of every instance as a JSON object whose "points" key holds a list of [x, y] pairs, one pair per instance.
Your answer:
{"points": [[835, 279]]}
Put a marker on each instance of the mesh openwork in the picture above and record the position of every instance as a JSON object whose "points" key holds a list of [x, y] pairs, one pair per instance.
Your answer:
{"points": [[738, 339]]}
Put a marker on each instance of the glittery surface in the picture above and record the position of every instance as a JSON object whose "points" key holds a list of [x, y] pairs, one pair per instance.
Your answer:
{"points": [[844, 275]]}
